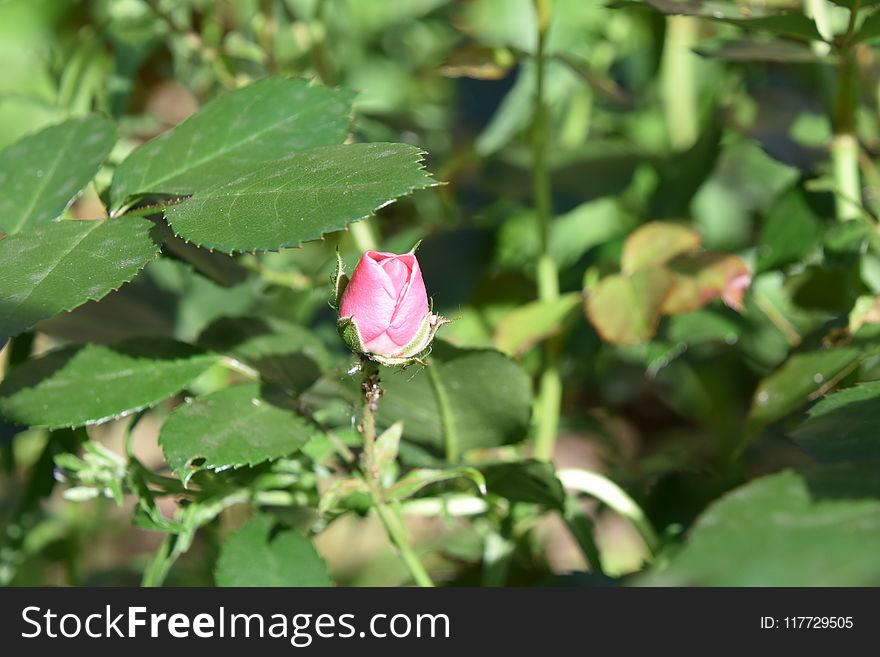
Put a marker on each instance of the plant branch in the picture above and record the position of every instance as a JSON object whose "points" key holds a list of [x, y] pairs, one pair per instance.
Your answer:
{"points": [[550, 383], [371, 388]]}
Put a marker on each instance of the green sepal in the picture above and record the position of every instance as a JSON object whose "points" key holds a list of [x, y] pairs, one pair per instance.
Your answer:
{"points": [[340, 281], [350, 335]]}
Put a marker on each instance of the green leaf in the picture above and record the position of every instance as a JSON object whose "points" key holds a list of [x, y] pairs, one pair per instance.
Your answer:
{"points": [[387, 445], [42, 173], [255, 555], [748, 50], [786, 23], [75, 386], [521, 329], [417, 479], [862, 4], [230, 428], [299, 197], [789, 387], [345, 493], [772, 532], [232, 135], [843, 481], [869, 29], [59, 266], [626, 309], [530, 481], [489, 394], [843, 426], [657, 243], [790, 232], [285, 354]]}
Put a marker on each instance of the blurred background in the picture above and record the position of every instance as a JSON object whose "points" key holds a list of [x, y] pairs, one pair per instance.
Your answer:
{"points": [[652, 117]]}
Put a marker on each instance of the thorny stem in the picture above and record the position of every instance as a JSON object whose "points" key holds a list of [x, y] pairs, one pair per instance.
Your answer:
{"points": [[550, 383], [371, 387]]}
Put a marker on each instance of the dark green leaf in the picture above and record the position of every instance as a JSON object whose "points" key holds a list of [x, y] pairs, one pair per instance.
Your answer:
{"points": [[256, 556], [843, 426], [42, 173], [417, 479], [74, 386], [299, 197], [529, 481], [490, 396], [790, 233], [790, 387], [285, 354], [870, 28], [782, 52], [237, 426], [772, 533], [233, 135], [59, 266]]}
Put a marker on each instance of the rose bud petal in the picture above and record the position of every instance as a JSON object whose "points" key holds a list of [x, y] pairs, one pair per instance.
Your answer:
{"points": [[384, 312]]}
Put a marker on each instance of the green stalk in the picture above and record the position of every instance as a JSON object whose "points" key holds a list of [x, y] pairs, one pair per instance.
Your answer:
{"points": [[372, 391], [447, 421], [845, 144], [678, 81], [363, 237], [550, 383]]}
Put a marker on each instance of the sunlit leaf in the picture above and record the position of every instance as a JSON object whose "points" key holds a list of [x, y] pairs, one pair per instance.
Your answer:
{"points": [[59, 266], [234, 134], [299, 197], [76, 386], [42, 173]]}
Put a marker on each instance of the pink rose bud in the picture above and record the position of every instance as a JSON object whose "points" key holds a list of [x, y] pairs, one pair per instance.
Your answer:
{"points": [[384, 312]]}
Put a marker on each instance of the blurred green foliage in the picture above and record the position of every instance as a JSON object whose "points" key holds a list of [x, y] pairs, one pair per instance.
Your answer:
{"points": [[715, 198]]}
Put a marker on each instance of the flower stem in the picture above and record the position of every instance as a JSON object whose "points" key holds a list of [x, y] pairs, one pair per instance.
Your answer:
{"points": [[372, 391], [550, 383], [447, 421]]}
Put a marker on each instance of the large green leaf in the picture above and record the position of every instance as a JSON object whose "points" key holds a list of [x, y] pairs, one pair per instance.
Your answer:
{"points": [[530, 481], [59, 266], [490, 397], [74, 386], [42, 173], [843, 426], [299, 197], [772, 532], [790, 232], [255, 555], [237, 426], [789, 387], [234, 134]]}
